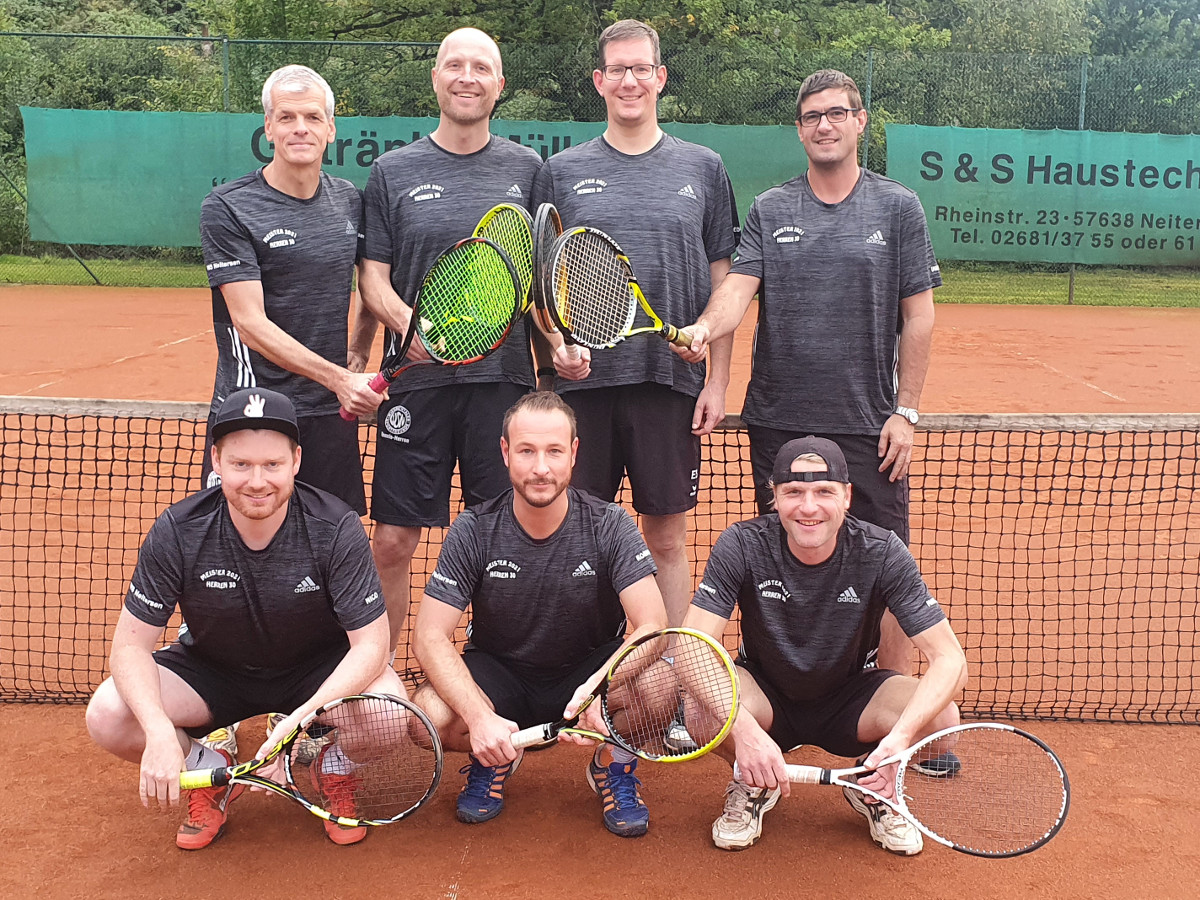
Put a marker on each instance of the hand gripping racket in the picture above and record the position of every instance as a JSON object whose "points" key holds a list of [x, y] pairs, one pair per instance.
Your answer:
{"points": [[1008, 795], [547, 226], [642, 692], [377, 760], [507, 226], [593, 295], [464, 310]]}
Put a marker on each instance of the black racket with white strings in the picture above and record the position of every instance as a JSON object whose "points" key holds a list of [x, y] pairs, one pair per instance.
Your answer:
{"points": [[370, 759], [547, 226], [1008, 795]]}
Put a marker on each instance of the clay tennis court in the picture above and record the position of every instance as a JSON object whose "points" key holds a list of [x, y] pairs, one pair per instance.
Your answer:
{"points": [[1129, 834]]}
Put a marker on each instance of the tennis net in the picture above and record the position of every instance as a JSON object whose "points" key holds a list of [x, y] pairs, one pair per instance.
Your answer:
{"points": [[1065, 549]]}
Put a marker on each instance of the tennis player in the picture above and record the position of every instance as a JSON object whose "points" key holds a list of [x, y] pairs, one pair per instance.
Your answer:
{"points": [[813, 583], [277, 584], [669, 204], [420, 200], [844, 269], [552, 577]]}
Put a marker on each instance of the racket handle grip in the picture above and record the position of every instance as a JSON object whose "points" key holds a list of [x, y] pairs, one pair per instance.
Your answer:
{"points": [[378, 384], [535, 734], [573, 351], [203, 778], [680, 337], [796, 774]]}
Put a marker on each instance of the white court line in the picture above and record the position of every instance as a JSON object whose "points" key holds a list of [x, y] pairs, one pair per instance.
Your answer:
{"points": [[1094, 387], [63, 372], [451, 892]]}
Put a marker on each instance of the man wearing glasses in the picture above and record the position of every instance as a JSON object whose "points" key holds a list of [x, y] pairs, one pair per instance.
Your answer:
{"points": [[842, 263], [669, 204]]}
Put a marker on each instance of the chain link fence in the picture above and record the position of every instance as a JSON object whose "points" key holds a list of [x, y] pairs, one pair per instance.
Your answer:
{"points": [[715, 84]]}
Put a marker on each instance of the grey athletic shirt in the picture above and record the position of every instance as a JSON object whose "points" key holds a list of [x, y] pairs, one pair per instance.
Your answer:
{"points": [[809, 628], [672, 211], [541, 604], [833, 275], [303, 252], [420, 201], [254, 610]]}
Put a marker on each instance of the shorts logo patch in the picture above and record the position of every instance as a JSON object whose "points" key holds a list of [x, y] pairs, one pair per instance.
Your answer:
{"points": [[502, 568], [306, 586], [787, 234], [774, 589], [584, 570], [397, 421], [220, 579]]}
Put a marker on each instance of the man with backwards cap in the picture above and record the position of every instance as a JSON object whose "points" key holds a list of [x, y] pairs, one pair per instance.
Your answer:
{"points": [[813, 584], [282, 600]]}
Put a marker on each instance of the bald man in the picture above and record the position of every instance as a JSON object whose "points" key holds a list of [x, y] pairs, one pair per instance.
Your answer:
{"points": [[420, 199]]}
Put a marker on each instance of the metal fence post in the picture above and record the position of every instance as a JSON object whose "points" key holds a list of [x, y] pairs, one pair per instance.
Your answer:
{"points": [[866, 148], [1083, 73], [225, 69]]}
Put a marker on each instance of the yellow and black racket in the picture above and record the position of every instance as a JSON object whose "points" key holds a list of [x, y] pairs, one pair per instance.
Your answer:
{"points": [[377, 760], [644, 689], [508, 227], [465, 308], [593, 295], [547, 226]]}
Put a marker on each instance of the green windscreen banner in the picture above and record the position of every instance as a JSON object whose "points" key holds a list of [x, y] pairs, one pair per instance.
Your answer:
{"points": [[1054, 196], [137, 178]]}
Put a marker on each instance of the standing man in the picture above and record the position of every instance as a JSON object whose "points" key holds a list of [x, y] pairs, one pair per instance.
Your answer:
{"points": [[669, 204], [420, 200], [842, 263], [276, 581], [812, 584], [552, 577]]}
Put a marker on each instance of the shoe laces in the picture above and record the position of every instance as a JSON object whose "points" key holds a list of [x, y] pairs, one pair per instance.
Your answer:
{"points": [[891, 822], [339, 792], [624, 786], [737, 802], [203, 804], [481, 778]]}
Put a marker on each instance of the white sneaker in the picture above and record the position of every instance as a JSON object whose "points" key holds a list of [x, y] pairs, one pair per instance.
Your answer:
{"points": [[223, 739], [740, 825], [678, 739], [889, 829]]}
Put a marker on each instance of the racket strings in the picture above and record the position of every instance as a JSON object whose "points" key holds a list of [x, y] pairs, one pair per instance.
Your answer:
{"points": [[1005, 795], [371, 759], [509, 230], [591, 290], [466, 304]]}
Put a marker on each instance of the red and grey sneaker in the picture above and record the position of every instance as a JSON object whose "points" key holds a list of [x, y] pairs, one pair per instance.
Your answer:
{"points": [[207, 810], [338, 792]]}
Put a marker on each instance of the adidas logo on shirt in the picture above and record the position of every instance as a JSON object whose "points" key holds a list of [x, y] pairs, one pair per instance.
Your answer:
{"points": [[306, 585], [350, 227], [686, 191], [583, 570], [877, 238], [515, 191], [849, 595]]}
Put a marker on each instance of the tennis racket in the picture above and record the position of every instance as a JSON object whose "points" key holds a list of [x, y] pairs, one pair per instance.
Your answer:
{"points": [[465, 308], [508, 227], [547, 226], [593, 295], [378, 760], [1008, 796], [642, 692]]}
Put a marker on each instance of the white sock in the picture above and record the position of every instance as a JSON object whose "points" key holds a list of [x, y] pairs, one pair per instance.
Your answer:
{"points": [[335, 762], [201, 757], [623, 756]]}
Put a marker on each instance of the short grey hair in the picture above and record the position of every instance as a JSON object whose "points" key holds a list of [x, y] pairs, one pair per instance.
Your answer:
{"points": [[296, 79]]}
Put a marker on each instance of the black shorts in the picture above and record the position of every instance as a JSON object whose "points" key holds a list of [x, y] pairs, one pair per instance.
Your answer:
{"points": [[830, 723], [531, 696], [874, 498], [645, 431], [234, 696], [330, 458], [421, 435]]}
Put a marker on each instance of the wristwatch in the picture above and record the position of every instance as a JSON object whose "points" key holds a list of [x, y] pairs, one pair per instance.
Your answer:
{"points": [[909, 413]]}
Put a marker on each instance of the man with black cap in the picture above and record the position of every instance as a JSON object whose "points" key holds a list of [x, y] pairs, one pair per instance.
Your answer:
{"points": [[282, 600], [813, 584]]}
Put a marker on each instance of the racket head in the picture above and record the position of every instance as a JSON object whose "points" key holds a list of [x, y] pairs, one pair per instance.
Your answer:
{"points": [[588, 288], [659, 676], [547, 226], [368, 759], [467, 302], [1008, 795], [508, 227]]}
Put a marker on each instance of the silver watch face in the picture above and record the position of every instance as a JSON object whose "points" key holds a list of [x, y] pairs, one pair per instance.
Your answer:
{"points": [[910, 414]]}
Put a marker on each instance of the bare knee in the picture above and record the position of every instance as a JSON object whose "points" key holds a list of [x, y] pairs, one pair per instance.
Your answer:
{"points": [[109, 721], [666, 536], [394, 546]]}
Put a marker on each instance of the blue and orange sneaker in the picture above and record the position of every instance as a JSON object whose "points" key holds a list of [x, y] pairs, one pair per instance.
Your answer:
{"points": [[625, 814], [482, 797]]}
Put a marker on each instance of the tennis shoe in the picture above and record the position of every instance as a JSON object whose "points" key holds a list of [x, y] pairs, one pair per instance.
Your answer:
{"points": [[740, 825], [889, 829], [482, 797], [944, 765], [678, 739], [338, 793], [223, 739], [207, 810], [625, 813], [306, 748]]}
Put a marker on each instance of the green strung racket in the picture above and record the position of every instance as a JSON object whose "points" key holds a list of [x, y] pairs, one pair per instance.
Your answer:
{"points": [[508, 227]]}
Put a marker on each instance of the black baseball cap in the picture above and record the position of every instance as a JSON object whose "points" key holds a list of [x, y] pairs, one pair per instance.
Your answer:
{"points": [[835, 461], [256, 408]]}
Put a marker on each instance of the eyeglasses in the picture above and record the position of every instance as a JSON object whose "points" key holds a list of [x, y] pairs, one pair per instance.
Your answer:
{"points": [[641, 72], [836, 115]]}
